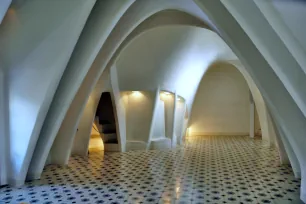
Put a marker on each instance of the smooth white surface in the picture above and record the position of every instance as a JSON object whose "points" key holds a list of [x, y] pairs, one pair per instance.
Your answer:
{"points": [[169, 113], [4, 137], [159, 122], [83, 133], [139, 112], [176, 61], [252, 116], [83, 57], [174, 117], [286, 18], [35, 48], [281, 104], [271, 46], [135, 145], [4, 5], [289, 153], [120, 112], [273, 79], [179, 120], [160, 144], [294, 14], [106, 14], [221, 105]]}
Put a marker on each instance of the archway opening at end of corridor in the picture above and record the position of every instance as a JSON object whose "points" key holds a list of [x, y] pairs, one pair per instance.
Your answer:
{"points": [[97, 129], [104, 132], [224, 105]]}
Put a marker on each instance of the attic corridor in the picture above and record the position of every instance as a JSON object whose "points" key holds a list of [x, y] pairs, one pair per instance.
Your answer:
{"points": [[206, 169]]}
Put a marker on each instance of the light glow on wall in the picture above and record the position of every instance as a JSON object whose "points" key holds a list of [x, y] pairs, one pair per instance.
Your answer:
{"points": [[189, 131], [165, 95], [136, 93]]}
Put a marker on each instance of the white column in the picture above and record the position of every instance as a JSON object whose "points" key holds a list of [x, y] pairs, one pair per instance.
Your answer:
{"points": [[3, 133], [252, 116], [4, 5], [153, 117], [174, 139]]}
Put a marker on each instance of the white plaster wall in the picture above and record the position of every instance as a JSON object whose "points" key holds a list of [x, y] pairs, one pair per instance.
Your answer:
{"points": [[286, 18], [169, 113], [83, 133], [120, 112], [139, 112], [159, 122], [183, 54], [250, 18], [4, 5], [293, 14], [221, 106], [83, 58], [257, 127], [34, 51], [79, 143], [179, 120], [291, 119], [105, 14], [4, 136], [137, 13], [135, 81]]}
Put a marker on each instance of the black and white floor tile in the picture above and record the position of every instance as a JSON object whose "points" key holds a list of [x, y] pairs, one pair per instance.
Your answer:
{"points": [[207, 169]]}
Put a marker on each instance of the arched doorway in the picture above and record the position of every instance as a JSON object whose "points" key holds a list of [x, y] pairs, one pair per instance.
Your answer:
{"points": [[97, 129], [102, 60], [222, 104], [106, 123]]}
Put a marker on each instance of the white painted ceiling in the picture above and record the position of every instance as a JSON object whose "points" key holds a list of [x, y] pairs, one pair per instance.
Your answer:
{"points": [[173, 58], [293, 13]]}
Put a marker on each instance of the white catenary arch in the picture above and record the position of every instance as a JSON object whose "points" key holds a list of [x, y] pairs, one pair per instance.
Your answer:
{"points": [[267, 60]]}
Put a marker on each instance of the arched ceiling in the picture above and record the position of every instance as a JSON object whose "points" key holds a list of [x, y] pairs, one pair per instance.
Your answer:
{"points": [[293, 13], [276, 72], [173, 58]]}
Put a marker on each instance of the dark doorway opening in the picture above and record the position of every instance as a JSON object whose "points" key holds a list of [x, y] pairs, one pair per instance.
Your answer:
{"points": [[106, 119]]}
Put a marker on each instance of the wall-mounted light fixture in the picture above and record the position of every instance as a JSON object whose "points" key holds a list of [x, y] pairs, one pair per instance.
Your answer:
{"points": [[166, 93]]}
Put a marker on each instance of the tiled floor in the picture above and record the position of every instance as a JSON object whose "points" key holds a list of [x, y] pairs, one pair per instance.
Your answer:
{"points": [[220, 169]]}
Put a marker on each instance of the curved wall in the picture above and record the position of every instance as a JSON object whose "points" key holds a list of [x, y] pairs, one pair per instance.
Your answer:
{"points": [[4, 5], [81, 61], [293, 13], [222, 103], [83, 133], [84, 57], [283, 107], [139, 112], [265, 75], [34, 52], [269, 44], [176, 61], [4, 136]]}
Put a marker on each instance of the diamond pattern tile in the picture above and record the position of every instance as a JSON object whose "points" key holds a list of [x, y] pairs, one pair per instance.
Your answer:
{"points": [[206, 169]]}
